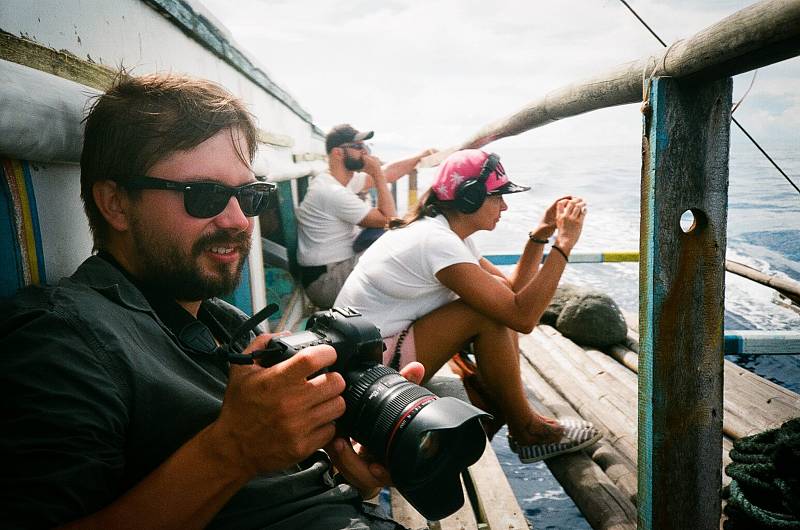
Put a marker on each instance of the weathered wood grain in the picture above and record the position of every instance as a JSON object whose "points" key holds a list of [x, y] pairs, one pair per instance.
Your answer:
{"points": [[682, 292]]}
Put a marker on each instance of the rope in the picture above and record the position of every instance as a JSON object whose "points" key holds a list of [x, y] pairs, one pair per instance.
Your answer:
{"points": [[646, 89], [746, 92], [765, 488]]}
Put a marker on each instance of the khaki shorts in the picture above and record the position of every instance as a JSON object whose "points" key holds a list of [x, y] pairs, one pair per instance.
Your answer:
{"points": [[323, 291]]}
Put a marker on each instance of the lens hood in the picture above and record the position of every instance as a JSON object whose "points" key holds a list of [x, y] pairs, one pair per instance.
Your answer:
{"points": [[427, 459]]}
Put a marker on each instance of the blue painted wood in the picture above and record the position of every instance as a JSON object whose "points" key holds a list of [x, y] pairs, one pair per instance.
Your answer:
{"points": [[575, 257], [288, 221], [503, 259], [753, 342], [11, 277], [685, 168], [37, 233], [241, 296]]}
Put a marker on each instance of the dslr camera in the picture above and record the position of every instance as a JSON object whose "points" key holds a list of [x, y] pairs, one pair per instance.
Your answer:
{"points": [[425, 441]]}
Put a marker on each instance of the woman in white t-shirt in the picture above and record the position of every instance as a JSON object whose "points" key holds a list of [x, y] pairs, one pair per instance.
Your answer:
{"points": [[425, 285]]}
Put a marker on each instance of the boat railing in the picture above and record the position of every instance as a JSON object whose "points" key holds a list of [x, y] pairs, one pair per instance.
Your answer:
{"points": [[686, 95]]}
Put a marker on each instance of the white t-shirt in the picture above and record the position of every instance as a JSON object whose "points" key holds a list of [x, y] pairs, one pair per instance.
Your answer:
{"points": [[394, 282], [327, 219]]}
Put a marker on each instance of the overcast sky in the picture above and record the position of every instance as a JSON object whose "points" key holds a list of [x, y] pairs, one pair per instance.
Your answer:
{"points": [[432, 73]]}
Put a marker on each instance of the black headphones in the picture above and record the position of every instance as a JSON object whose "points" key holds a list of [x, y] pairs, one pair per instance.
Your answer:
{"points": [[471, 194]]}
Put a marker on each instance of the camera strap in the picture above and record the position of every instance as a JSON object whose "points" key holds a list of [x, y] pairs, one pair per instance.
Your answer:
{"points": [[226, 350], [398, 349]]}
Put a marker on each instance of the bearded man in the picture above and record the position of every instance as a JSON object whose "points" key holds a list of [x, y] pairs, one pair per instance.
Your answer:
{"points": [[331, 213], [118, 409]]}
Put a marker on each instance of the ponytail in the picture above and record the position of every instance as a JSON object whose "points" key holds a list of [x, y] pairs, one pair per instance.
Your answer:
{"points": [[427, 206]]}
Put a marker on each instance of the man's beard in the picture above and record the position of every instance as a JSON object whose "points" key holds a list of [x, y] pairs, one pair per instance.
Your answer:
{"points": [[164, 267], [353, 164]]}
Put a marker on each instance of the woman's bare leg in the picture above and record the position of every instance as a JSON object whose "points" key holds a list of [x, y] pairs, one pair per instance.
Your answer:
{"points": [[443, 332]]}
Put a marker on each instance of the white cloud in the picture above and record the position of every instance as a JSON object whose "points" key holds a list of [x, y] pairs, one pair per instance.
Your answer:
{"points": [[433, 73]]}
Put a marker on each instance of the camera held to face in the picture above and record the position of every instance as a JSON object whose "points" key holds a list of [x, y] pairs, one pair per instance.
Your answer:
{"points": [[425, 441]]}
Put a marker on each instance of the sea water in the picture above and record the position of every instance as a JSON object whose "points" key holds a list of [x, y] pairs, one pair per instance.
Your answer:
{"points": [[763, 232]]}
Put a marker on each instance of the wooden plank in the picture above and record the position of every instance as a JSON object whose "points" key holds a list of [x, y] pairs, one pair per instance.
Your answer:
{"points": [[407, 515], [270, 138], [404, 513], [759, 342], [463, 519], [615, 454], [591, 402], [496, 504], [598, 368], [605, 500], [682, 285], [751, 403], [786, 286]]}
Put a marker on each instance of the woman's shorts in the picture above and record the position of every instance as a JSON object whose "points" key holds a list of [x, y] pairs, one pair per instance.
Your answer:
{"points": [[404, 342]]}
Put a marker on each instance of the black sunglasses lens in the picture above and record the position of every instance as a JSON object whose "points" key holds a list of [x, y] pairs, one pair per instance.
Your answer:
{"points": [[255, 199], [206, 200]]}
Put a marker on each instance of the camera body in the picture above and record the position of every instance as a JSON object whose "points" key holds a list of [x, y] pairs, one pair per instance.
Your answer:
{"points": [[356, 341], [425, 441]]}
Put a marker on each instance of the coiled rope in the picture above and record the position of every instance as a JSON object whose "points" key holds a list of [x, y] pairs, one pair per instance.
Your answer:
{"points": [[764, 492]]}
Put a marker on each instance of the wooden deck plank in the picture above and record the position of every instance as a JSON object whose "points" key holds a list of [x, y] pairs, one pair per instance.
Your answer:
{"points": [[606, 504], [404, 513], [496, 503]]}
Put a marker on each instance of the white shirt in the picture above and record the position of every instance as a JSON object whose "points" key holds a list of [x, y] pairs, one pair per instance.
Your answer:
{"points": [[394, 282], [327, 219]]}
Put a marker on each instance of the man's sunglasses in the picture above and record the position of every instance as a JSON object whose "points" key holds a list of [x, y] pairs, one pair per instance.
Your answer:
{"points": [[206, 199], [358, 146]]}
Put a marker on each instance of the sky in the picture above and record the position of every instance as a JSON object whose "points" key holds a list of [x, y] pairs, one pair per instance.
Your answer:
{"points": [[431, 74]]}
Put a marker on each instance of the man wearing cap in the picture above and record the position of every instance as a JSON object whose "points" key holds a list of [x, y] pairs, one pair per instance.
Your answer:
{"points": [[427, 288], [332, 212]]}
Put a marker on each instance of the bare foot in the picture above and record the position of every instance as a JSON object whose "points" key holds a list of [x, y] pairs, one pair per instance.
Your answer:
{"points": [[540, 429]]}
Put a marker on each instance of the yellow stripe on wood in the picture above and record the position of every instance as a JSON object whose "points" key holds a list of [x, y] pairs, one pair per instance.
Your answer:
{"points": [[621, 256]]}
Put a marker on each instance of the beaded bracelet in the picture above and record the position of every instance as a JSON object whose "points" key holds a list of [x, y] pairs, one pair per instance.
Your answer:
{"points": [[556, 247], [535, 239]]}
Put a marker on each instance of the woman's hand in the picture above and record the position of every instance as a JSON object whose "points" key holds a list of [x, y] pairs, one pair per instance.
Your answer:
{"points": [[570, 215], [548, 223]]}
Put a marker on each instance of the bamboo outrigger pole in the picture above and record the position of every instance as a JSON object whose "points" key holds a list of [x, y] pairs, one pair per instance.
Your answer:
{"points": [[764, 33]]}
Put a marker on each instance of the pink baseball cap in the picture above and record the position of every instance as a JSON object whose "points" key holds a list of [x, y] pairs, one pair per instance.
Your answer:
{"points": [[468, 164]]}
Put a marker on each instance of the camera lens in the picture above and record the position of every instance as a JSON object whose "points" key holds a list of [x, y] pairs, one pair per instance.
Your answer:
{"points": [[424, 440], [429, 444], [380, 403]]}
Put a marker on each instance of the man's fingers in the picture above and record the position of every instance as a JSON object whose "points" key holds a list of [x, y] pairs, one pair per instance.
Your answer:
{"points": [[308, 361], [326, 411], [413, 371]]}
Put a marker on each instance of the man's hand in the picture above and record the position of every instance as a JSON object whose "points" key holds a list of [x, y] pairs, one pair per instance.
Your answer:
{"points": [[275, 417], [372, 167], [355, 463]]}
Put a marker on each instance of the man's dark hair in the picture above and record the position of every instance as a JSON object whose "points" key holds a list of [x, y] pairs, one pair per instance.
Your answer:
{"points": [[344, 134], [141, 120]]}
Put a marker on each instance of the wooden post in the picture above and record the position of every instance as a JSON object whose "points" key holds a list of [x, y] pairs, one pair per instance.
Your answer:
{"points": [[681, 303], [412, 188]]}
